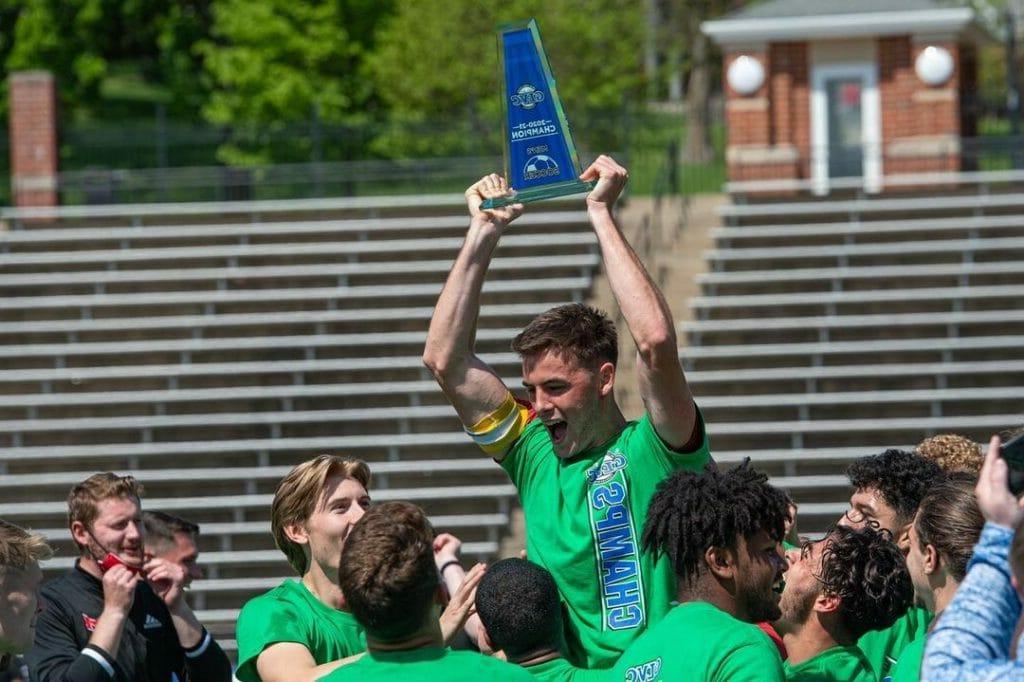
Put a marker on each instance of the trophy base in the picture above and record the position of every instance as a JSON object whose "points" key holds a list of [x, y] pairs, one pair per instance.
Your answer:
{"points": [[528, 196]]}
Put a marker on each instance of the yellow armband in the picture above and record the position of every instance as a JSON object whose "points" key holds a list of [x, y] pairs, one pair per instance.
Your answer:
{"points": [[498, 430]]}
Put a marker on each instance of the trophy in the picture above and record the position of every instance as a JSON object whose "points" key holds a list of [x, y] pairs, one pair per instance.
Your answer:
{"points": [[540, 158]]}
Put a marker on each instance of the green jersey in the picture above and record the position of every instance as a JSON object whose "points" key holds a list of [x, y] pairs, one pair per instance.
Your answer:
{"points": [[838, 664], [584, 516], [698, 641], [884, 647], [429, 663], [908, 667], [291, 613], [561, 670]]}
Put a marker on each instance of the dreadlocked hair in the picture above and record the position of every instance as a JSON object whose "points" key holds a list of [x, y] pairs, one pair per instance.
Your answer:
{"points": [[867, 571], [691, 512]]}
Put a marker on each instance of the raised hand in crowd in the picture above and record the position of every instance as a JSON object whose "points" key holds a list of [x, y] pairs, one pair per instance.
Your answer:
{"points": [[996, 501], [446, 551], [462, 606], [167, 579], [119, 589], [973, 640]]}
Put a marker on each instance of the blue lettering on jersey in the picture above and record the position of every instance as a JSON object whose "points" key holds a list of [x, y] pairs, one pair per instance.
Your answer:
{"points": [[615, 544]]}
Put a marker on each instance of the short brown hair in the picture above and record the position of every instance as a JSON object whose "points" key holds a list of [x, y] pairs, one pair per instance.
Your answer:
{"points": [[299, 494], [387, 572], [575, 331], [19, 548], [949, 520], [161, 528], [952, 452], [84, 496]]}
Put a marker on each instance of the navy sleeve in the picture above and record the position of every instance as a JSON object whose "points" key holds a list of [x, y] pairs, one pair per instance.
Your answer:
{"points": [[56, 655], [207, 661]]}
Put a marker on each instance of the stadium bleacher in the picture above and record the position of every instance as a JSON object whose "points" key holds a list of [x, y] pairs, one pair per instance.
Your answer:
{"points": [[829, 329], [207, 348]]}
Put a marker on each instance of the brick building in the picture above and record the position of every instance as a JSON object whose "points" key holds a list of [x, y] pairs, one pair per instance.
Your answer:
{"points": [[822, 89]]}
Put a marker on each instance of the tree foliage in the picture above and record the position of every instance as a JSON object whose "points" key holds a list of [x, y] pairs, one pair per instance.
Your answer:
{"points": [[444, 65], [380, 77], [279, 61], [87, 42]]}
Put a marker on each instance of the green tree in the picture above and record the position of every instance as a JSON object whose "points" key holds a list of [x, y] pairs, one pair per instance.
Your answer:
{"points": [[87, 44], [274, 62], [69, 38], [433, 66], [693, 58]]}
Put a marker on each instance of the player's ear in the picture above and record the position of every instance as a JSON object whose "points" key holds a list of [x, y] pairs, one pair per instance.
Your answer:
{"points": [[296, 532], [606, 377], [827, 603], [931, 559], [484, 639], [903, 538], [79, 533], [721, 562]]}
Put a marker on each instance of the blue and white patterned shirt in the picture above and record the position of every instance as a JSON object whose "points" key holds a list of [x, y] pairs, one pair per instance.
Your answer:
{"points": [[972, 639]]}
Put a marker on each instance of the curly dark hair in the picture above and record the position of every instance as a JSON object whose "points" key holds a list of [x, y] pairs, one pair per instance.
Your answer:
{"points": [[575, 330], [691, 512], [518, 603], [902, 478], [867, 571]]}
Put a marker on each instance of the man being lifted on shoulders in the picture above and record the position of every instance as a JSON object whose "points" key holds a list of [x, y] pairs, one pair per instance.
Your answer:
{"points": [[585, 475]]}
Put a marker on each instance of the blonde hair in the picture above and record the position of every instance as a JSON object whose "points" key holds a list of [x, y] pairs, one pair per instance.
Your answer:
{"points": [[299, 494], [85, 496], [19, 548], [952, 453]]}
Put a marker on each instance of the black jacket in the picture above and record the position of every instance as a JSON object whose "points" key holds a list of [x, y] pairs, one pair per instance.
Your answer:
{"points": [[149, 649]]}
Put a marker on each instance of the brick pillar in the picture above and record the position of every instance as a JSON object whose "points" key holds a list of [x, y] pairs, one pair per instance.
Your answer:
{"points": [[764, 127], [33, 138], [920, 123], [747, 118], [790, 102]]}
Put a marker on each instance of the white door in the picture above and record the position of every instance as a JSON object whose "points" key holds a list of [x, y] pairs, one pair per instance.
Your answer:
{"points": [[845, 125]]}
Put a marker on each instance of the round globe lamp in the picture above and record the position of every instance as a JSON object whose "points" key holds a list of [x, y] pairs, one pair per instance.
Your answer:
{"points": [[745, 75], [934, 66]]}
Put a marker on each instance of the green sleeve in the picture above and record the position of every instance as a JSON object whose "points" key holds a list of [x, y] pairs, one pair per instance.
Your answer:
{"points": [[753, 661], [523, 457], [882, 648], [908, 667], [592, 675], [694, 460], [262, 622]]}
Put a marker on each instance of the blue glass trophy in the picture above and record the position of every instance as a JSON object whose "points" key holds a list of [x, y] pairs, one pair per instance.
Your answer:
{"points": [[540, 157]]}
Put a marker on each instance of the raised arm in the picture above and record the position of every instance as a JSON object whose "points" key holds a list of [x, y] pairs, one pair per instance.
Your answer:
{"points": [[203, 656], [972, 639], [663, 387], [472, 387]]}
